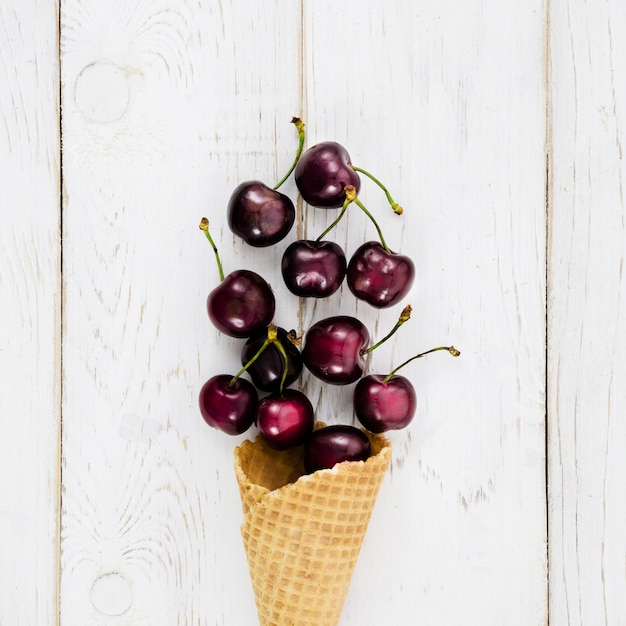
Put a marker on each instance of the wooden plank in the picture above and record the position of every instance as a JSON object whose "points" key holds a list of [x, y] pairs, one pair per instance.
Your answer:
{"points": [[30, 307], [167, 107], [587, 366], [445, 103]]}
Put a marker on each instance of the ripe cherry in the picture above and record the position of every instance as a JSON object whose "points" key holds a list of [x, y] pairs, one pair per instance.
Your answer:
{"points": [[285, 419], [335, 348], [243, 303], [228, 404], [325, 170], [260, 214], [316, 268], [379, 276], [334, 444], [322, 173], [266, 371], [313, 268], [383, 403], [375, 274]]}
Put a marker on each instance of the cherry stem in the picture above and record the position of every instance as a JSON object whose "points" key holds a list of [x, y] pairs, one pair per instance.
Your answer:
{"points": [[272, 338], [346, 203], [404, 317], [300, 128], [397, 209], [204, 227], [451, 349], [283, 353], [380, 232], [260, 351]]}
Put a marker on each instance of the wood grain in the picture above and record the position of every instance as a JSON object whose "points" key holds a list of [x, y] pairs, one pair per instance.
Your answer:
{"points": [[587, 339], [167, 106], [30, 306]]}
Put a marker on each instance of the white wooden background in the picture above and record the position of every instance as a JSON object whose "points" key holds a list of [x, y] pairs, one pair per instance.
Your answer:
{"points": [[498, 125]]}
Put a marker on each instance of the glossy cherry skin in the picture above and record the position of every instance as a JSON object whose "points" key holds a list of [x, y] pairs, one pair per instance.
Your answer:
{"points": [[285, 421], [322, 173], [260, 215], [266, 372], [229, 409], [333, 349], [382, 406], [313, 269], [334, 444], [242, 304], [378, 277]]}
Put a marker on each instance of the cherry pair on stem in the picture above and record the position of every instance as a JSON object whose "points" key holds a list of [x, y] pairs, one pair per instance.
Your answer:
{"points": [[284, 419], [375, 274], [326, 178], [230, 403]]}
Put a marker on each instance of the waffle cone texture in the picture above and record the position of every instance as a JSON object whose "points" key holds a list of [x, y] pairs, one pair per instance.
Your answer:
{"points": [[303, 533]]}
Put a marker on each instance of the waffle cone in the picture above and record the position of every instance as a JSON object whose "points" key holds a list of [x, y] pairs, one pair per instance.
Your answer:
{"points": [[303, 533]]}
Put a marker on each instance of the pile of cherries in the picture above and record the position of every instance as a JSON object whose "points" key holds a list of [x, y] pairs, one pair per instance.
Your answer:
{"points": [[243, 305]]}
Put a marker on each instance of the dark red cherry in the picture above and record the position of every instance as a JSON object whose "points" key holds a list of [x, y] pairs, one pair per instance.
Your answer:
{"points": [[334, 444], [260, 215], [285, 420], [266, 372], [379, 277], [333, 349], [322, 173], [313, 268], [382, 405], [388, 402], [229, 408], [242, 304]]}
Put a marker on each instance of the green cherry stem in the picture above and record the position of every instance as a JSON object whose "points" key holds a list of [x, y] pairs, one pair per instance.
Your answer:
{"points": [[283, 353], [380, 232], [204, 227], [404, 317], [451, 349], [397, 209], [350, 197], [260, 351], [300, 128]]}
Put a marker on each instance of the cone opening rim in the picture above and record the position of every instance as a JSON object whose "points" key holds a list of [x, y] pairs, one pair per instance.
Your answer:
{"points": [[381, 456]]}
